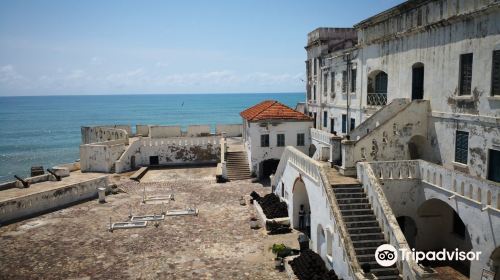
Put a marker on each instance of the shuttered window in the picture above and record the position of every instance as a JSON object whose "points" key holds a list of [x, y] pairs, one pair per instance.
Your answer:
{"points": [[332, 82], [344, 81], [264, 140], [300, 139], [461, 146], [465, 74], [495, 74], [281, 140], [353, 80], [325, 119], [344, 123]]}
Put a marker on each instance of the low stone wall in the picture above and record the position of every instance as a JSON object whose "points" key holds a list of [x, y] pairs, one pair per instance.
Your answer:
{"points": [[198, 130], [231, 130], [29, 205], [264, 220], [164, 131], [142, 130], [100, 157], [170, 151], [98, 134]]}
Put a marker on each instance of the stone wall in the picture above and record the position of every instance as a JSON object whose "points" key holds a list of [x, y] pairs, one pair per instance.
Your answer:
{"points": [[100, 157], [97, 134], [231, 130], [170, 151], [164, 131], [32, 204]]}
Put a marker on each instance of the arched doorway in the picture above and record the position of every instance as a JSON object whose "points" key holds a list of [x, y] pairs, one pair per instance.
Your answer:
{"points": [[320, 241], [312, 150], [268, 167], [440, 227], [132, 162], [301, 198], [417, 146], [409, 229], [377, 88], [495, 263], [417, 81]]}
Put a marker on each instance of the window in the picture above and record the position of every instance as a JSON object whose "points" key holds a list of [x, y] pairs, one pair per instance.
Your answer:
{"points": [[264, 140], [461, 146], [353, 80], [494, 166], [353, 123], [314, 66], [332, 82], [300, 139], [344, 123], [495, 74], [314, 92], [458, 225], [465, 74], [344, 81], [325, 119], [281, 140], [154, 160], [325, 83], [332, 125]]}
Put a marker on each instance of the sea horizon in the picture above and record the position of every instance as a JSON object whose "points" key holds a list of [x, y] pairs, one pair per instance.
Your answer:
{"points": [[146, 94], [45, 129]]}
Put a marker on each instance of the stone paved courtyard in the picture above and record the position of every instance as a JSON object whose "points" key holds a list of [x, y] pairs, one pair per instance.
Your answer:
{"points": [[74, 242]]}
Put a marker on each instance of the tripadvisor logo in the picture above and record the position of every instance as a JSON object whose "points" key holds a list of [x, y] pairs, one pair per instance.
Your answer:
{"points": [[386, 255]]}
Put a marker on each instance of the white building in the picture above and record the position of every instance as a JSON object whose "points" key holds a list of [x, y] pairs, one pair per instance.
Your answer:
{"points": [[268, 128], [414, 95]]}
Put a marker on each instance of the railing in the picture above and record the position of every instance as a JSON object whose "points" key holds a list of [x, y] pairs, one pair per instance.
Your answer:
{"points": [[378, 118], [376, 99], [313, 169], [369, 174], [321, 136], [484, 192], [180, 141]]}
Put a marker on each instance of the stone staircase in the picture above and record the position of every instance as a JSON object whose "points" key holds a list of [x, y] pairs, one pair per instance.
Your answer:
{"points": [[364, 230], [237, 166]]}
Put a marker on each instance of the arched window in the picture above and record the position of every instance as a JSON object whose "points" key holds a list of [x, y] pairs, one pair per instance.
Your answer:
{"points": [[377, 88]]}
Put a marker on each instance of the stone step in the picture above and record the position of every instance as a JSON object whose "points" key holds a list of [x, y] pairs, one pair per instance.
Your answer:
{"points": [[366, 251], [351, 200], [360, 218], [349, 195], [347, 186], [356, 212], [366, 257], [361, 230], [368, 243], [362, 224], [367, 236], [385, 271], [348, 190], [355, 206]]}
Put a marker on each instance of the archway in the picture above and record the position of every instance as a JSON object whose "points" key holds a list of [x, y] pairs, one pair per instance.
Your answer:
{"points": [[301, 198], [417, 147], [495, 263], [268, 167], [312, 150], [417, 81], [409, 229], [377, 88], [320, 241], [440, 227], [132, 162]]}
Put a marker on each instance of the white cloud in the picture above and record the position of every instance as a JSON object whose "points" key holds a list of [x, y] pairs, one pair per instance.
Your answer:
{"points": [[10, 78]]}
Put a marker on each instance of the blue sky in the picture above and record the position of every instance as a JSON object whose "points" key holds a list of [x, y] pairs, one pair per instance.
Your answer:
{"points": [[132, 47]]}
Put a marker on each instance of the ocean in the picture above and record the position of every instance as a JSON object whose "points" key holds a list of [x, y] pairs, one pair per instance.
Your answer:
{"points": [[45, 130]]}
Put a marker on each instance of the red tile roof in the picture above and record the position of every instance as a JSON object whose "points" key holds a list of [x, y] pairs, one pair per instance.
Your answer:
{"points": [[271, 110]]}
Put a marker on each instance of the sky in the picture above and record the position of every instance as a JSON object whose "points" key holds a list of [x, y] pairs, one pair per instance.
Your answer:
{"points": [[69, 47]]}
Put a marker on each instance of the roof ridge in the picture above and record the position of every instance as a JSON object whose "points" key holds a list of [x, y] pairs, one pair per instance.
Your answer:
{"points": [[261, 111]]}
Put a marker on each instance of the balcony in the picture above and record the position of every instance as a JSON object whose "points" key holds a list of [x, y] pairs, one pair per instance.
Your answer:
{"points": [[376, 99]]}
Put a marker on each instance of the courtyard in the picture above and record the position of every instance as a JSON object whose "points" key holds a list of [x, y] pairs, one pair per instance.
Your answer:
{"points": [[75, 242]]}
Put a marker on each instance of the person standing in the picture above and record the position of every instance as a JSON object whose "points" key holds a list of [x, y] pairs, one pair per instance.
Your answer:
{"points": [[302, 216]]}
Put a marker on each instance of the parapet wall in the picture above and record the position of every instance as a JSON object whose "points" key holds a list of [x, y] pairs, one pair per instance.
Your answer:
{"points": [[164, 131], [35, 203], [97, 134], [231, 130], [100, 157], [169, 151]]}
